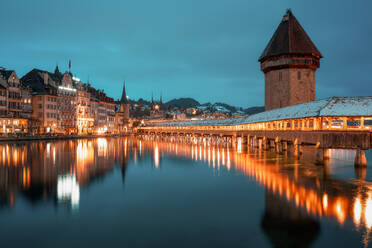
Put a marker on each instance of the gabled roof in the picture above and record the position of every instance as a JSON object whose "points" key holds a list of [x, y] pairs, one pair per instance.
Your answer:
{"points": [[35, 80], [6, 74], [290, 38]]}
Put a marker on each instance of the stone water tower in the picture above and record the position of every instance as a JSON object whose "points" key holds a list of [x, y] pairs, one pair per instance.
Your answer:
{"points": [[289, 62]]}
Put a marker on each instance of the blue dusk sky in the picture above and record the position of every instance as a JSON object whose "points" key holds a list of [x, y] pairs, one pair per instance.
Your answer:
{"points": [[205, 49]]}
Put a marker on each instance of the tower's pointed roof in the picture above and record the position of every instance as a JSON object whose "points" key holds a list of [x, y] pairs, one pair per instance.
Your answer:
{"points": [[290, 38], [124, 99]]}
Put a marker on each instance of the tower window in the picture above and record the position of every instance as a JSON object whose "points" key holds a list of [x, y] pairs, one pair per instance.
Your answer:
{"points": [[280, 76], [299, 75]]}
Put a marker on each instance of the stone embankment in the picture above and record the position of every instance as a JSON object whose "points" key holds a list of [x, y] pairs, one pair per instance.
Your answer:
{"points": [[51, 138]]}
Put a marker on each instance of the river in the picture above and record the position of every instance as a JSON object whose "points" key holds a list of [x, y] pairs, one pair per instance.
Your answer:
{"points": [[110, 192]]}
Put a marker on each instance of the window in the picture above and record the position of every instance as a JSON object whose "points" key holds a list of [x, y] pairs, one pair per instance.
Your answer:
{"points": [[40, 106], [337, 124], [299, 75], [368, 123], [325, 124], [280, 76], [311, 124], [353, 123], [288, 125]]}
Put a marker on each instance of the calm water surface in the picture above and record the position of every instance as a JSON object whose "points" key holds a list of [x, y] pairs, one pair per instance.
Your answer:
{"points": [[138, 193]]}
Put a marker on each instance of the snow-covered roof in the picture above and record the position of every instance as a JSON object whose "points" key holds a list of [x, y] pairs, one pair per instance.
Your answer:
{"points": [[335, 106]]}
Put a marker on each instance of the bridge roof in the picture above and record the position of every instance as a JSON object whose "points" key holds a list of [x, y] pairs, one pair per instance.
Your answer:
{"points": [[335, 106]]}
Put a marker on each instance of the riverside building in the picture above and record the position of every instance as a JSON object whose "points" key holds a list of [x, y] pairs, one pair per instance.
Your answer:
{"points": [[44, 86], [56, 103], [67, 98], [15, 102]]}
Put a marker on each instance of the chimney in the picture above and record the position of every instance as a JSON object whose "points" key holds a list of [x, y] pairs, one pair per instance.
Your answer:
{"points": [[45, 78]]}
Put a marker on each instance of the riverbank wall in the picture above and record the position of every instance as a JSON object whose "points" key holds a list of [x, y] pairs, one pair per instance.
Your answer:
{"points": [[52, 138]]}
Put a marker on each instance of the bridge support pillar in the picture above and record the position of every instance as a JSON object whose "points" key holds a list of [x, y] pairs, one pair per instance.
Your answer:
{"points": [[271, 144], [264, 143], [277, 147], [234, 140], [260, 144], [360, 172], [255, 142], [296, 150], [360, 159], [284, 146], [322, 156], [243, 139]]}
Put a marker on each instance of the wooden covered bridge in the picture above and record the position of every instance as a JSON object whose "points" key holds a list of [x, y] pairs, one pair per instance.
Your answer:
{"points": [[333, 123]]}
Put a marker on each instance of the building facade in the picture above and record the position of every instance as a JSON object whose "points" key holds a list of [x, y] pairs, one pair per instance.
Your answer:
{"points": [[67, 99], [44, 87], [85, 116], [15, 103], [43, 102]]}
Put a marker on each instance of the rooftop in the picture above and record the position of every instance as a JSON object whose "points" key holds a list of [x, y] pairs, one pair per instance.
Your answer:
{"points": [[334, 106], [290, 38]]}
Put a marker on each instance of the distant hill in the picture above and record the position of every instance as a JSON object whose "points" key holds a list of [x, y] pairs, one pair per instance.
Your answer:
{"points": [[182, 103], [254, 110], [188, 102]]}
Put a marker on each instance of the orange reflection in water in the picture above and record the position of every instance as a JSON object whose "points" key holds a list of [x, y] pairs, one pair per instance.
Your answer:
{"points": [[61, 165], [306, 188]]}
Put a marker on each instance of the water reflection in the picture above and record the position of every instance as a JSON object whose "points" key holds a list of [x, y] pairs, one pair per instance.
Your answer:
{"points": [[296, 195], [43, 171]]}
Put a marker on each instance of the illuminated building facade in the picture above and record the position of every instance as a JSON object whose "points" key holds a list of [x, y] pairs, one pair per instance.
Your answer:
{"points": [[85, 112], [67, 98], [43, 102], [103, 108], [44, 87], [15, 103]]}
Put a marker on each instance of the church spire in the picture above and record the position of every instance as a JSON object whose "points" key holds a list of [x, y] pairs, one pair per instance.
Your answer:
{"points": [[57, 73], [124, 99]]}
